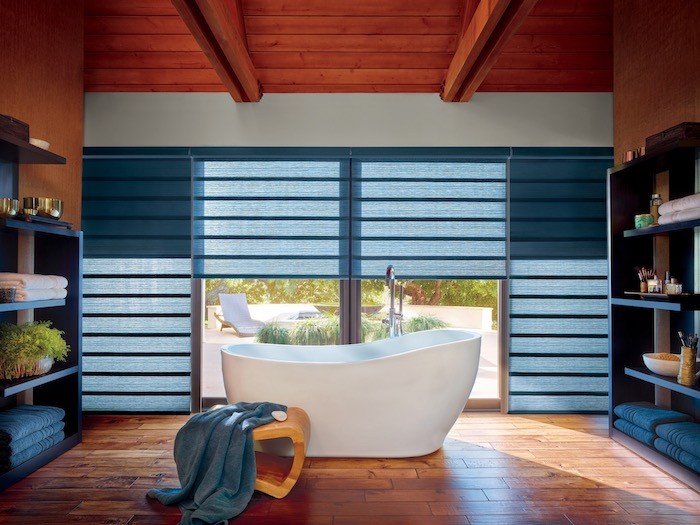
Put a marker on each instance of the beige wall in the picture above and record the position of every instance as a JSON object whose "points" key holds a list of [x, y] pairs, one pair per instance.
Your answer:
{"points": [[657, 68], [350, 120], [41, 83]]}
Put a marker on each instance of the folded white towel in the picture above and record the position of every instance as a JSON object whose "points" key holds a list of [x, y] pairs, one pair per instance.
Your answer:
{"points": [[30, 281], [22, 296], [680, 216], [684, 203]]}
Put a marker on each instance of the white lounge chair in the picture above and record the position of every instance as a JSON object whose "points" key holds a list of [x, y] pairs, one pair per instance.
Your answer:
{"points": [[236, 315]]}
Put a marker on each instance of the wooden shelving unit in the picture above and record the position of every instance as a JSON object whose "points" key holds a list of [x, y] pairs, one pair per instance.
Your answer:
{"points": [[50, 250], [648, 324]]}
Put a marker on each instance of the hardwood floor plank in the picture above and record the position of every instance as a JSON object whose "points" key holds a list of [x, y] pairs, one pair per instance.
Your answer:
{"points": [[426, 495]]}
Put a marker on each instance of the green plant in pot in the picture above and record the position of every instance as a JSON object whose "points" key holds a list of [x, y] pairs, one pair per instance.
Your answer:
{"points": [[30, 349]]}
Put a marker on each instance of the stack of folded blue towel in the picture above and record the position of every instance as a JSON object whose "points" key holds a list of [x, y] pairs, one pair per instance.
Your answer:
{"points": [[26, 431], [671, 433]]}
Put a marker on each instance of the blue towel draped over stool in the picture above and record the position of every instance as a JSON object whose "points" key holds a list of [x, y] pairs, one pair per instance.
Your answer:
{"points": [[634, 431], [216, 463], [686, 458], [684, 435], [19, 422], [648, 416]]}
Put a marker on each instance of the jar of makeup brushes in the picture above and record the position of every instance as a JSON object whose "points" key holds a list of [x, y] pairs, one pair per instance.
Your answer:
{"points": [[686, 371]]}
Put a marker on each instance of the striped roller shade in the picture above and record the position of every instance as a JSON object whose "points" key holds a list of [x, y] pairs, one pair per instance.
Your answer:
{"points": [[558, 281], [431, 219], [271, 218], [136, 292]]}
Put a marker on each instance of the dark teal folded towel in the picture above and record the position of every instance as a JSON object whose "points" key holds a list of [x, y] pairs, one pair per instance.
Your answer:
{"points": [[18, 445], [686, 458], [19, 422], [648, 415], [634, 431], [215, 458], [684, 435], [28, 453]]}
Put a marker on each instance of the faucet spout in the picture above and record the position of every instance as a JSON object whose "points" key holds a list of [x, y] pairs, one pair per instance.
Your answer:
{"points": [[394, 319]]}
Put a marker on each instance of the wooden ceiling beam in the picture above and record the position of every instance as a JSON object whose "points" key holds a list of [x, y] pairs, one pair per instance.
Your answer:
{"points": [[493, 24], [217, 25]]}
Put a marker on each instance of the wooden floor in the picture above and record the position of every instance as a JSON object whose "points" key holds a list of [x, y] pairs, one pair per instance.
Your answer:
{"points": [[493, 469]]}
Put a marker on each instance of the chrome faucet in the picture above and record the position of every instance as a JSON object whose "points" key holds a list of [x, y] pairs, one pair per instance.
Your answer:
{"points": [[394, 320]]}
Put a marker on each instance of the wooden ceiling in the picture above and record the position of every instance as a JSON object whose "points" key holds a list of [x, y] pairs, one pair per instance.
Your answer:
{"points": [[365, 46]]}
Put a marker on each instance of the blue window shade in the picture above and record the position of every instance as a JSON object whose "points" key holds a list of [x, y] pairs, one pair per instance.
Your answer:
{"points": [[558, 344], [432, 220], [271, 219], [136, 289], [136, 340], [136, 207]]}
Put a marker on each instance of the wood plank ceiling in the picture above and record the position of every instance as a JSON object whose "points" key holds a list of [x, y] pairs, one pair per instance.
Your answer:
{"points": [[333, 46]]}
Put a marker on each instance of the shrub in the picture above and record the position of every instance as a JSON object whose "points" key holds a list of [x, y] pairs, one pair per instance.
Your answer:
{"points": [[423, 322], [274, 334], [310, 332]]}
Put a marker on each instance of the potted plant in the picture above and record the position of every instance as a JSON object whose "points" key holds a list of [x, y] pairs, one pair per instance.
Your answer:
{"points": [[30, 349]]}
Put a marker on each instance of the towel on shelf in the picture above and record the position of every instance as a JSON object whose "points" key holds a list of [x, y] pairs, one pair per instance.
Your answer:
{"points": [[31, 281], [22, 295], [634, 431], [19, 422], [215, 462], [683, 435], [10, 462], [18, 445], [648, 415], [686, 458], [684, 203], [679, 216]]}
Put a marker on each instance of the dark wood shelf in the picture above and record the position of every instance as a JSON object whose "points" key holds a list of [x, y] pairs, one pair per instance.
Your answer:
{"points": [[15, 386], [13, 149], [30, 305], [656, 158], [663, 228], [664, 381], [657, 305], [19, 224], [22, 471]]}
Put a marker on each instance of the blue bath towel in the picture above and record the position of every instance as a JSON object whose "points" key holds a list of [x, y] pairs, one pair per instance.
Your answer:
{"points": [[216, 463], [684, 435], [18, 445], [19, 422], [648, 415], [11, 462], [634, 431], [686, 458]]}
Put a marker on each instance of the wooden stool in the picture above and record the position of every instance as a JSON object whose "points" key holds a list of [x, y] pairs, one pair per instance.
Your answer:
{"points": [[274, 476]]}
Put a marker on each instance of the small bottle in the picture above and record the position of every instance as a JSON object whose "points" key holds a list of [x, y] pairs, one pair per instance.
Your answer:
{"points": [[654, 204]]}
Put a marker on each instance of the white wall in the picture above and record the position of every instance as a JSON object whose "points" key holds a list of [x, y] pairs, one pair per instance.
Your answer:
{"points": [[213, 119]]}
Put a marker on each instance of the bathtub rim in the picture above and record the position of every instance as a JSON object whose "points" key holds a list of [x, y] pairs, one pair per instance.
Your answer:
{"points": [[224, 349]]}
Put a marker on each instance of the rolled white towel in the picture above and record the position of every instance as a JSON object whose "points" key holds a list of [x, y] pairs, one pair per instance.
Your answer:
{"points": [[680, 216], [22, 296], [684, 203], [30, 281]]}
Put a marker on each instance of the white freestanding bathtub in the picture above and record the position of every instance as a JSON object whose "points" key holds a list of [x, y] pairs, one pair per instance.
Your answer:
{"points": [[391, 398]]}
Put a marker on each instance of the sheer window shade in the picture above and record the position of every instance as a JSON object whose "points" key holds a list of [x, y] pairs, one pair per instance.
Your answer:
{"points": [[431, 220], [271, 219]]}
